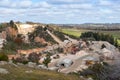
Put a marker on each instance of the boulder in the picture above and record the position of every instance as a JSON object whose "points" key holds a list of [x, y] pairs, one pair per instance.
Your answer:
{"points": [[41, 66], [107, 53], [20, 64], [11, 63], [66, 41], [31, 64], [3, 62], [53, 68], [30, 71], [91, 58], [3, 71]]}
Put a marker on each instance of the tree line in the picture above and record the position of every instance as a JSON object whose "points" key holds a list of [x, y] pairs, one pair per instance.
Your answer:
{"points": [[100, 37]]}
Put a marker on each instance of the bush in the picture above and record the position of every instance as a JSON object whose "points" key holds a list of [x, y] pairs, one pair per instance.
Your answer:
{"points": [[47, 60], [60, 50], [60, 35], [103, 46], [11, 46], [21, 59], [39, 31], [34, 57], [3, 57], [98, 71]]}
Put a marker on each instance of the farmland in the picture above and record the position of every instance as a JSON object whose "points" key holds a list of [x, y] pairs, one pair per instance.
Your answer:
{"points": [[77, 32], [73, 32]]}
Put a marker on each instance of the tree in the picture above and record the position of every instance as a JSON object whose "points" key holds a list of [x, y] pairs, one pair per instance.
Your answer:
{"points": [[45, 28], [99, 37], [47, 60], [13, 25]]}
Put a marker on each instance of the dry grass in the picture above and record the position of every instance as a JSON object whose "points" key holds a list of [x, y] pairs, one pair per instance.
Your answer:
{"points": [[18, 73]]}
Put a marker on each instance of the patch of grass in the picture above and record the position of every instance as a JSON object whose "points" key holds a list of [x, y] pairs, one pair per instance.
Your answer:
{"points": [[118, 41], [73, 32], [18, 73]]}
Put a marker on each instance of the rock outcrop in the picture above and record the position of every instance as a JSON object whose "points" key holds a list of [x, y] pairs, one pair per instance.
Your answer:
{"points": [[3, 71]]}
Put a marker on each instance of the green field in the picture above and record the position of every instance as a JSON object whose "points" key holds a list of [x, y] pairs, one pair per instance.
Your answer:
{"points": [[73, 32], [77, 32]]}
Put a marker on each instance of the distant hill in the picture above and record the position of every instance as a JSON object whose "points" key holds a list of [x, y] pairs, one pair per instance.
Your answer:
{"points": [[95, 26]]}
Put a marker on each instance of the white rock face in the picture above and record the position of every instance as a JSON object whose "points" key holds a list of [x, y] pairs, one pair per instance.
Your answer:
{"points": [[3, 71], [96, 46], [64, 63], [1, 42], [107, 53], [92, 58], [25, 28]]}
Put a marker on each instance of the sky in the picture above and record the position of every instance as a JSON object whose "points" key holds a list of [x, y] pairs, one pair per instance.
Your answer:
{"points": [[61, 11]]}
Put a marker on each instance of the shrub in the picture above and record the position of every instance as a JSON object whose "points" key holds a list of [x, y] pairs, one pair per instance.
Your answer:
{"points": [[9, 46], [39, 31], [60, 50], [34, 57], [103, 46], [60, 35], [98, 71], [21, 59], [3, 57], [47, 60]]}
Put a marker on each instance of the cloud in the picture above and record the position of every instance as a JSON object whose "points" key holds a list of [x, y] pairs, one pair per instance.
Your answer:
{"points": [[107, 11], [77, 6], [105, 2], [15, 4], [4, 3], [112, 17], [41, 4], [60, 11], [64, 1], [67, 1], [25, 3]]}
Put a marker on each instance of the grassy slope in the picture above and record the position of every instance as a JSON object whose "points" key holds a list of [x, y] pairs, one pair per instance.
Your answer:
{"points": [[18, 73]]}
